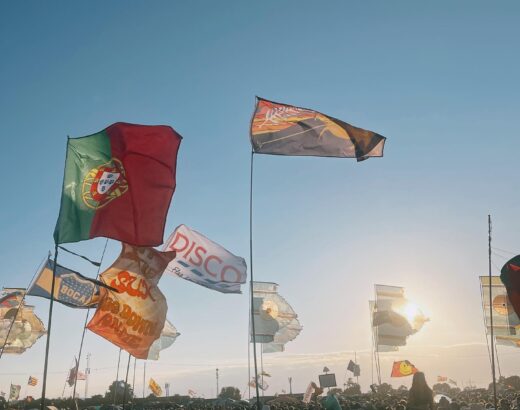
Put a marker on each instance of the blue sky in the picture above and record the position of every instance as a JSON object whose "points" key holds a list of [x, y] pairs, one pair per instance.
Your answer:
{"points": [[440, 80]]}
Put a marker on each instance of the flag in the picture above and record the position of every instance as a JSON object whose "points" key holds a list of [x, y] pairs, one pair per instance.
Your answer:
{"points": [[505, 320], [133, 318], [202, 261], [451, 381], [23, 327], [168, 335], [262, 385], [14, 392], [155, 388], [118, 184], [308, 393], [192, 393], [511, 341], [274, 319], [403, 368], [510, 276], [282, 129], [264, 373], [354, 368], [442, 379], [70, 288], [33, 381], [11, 298]]}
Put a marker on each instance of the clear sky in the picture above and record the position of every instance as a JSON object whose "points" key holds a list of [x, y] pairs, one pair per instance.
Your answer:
{"points": [[439, 79]]}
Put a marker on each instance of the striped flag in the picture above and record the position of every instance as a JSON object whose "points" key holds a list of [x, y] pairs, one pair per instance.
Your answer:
{"points": [[33, 381]]}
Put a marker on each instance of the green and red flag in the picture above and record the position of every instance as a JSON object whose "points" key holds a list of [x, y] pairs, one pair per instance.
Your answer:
{"points": [[118, 184], [282, 129], [510, 276]]}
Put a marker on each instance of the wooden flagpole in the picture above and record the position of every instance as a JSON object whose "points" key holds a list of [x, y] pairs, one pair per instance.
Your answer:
{"points": [[491, 316], [85, 327], [49, 327], [253, 335]]}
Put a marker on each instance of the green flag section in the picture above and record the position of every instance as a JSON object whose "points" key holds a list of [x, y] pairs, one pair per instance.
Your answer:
{"points": [[118, 184], [510, 276], [282, 129]]}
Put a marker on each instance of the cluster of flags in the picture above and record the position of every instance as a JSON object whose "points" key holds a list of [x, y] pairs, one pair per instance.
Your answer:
{"points": [[444, 379], [118, 184]]}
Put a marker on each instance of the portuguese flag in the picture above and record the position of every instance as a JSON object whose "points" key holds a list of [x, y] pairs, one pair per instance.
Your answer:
{"points": [[510, 276], [118, 184]]}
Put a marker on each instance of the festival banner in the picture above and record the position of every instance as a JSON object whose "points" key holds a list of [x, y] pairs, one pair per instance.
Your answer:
{"points": [[510, 276], [155, 388], [133, 318], [118, 184], [202, 261], [403, 368], [33, 381], [14, 392], [70, 288], [20, 328], [282, 129]]}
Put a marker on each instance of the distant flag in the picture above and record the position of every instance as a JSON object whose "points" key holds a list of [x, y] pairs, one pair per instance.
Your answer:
{"points": [[118, 184], [2, 393], [133, 318], [14, 392], [308, 393], [33, 381], [71, 288], [192, 393], [264, 373], [451, 381], [403, 368], [354, 368], [262, 385], [155, 388], [204, 262], [282, 129], [510, 276], [511, 341], [442, 379]]}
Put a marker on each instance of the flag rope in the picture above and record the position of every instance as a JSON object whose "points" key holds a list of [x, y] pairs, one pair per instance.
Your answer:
{"points": [[98, 264], [491, 316]]}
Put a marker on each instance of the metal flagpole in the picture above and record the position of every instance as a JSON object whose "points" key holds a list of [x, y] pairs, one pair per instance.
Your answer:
{"points": [[85, 326], [249, 355], [133, 382], [498, 361], [126, 380], [262, 367], [251, 281], [117, 377], [144, 378], [49, 326], [355, 359], [216, 395], [491, 316]]}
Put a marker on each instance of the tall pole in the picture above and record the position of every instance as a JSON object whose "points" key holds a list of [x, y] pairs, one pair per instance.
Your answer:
{"points": [[253, 335], [217, 383], [133, 381], [117, 377], [355, 360], [290, 385], [49, 326], [85, 325], [144, 378], [491, 316], [87, 374], [126, 380]]}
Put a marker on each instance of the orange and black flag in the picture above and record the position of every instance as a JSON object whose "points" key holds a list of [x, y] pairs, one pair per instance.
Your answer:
{"points": [[281, 129], [403, 368]]}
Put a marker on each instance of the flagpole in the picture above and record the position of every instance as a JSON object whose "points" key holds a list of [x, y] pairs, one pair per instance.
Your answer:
{"points": [[251, 280], [133, 382], [491, 316], [85, 326], [49, 325], [20, 306], [126, 380], [249, 355], [144, 377], [117, 376]]}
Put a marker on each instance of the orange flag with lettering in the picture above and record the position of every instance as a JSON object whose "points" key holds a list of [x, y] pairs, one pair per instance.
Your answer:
{"points": [[132, 318]]}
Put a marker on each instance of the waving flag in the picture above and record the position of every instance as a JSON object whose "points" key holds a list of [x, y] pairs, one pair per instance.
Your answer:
{"points": [[33, 381], [283, 129], [71, 288], [133, 318], [14, 392], [118, 184], [442, 379], [168, 335], [155, 388], [403, 368], [505, 320], [202, 261], [510, 276]]}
